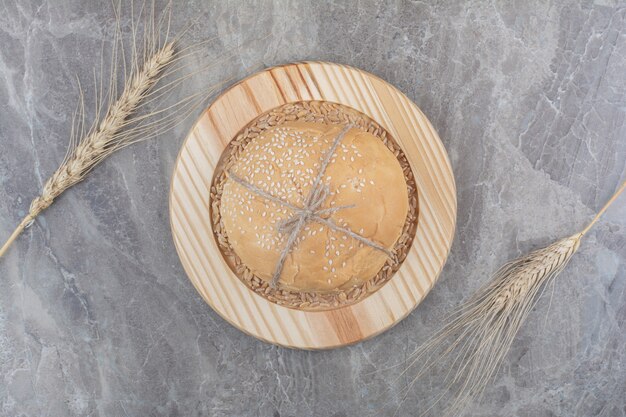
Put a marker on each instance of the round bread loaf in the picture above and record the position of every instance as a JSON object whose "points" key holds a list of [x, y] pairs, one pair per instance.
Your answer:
{"points": [[283, 161]]}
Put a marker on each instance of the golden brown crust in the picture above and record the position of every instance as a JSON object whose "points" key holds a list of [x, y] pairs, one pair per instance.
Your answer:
{"points": [[283, 160]]}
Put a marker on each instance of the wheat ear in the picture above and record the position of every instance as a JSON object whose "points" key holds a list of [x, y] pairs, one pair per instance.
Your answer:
{"points": [[127, 119], [478, 335], [129, 116], [102, 140], [116, 128]]}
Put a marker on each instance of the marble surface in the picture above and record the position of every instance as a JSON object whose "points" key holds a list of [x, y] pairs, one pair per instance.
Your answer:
{"points": [[97, 317]]}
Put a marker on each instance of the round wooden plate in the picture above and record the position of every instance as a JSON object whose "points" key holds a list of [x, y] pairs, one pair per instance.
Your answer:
{"points": [[191, 223]]}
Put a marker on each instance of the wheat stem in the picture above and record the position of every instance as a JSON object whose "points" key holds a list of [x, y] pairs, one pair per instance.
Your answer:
{"points": [[20, 227], [603, 209]]}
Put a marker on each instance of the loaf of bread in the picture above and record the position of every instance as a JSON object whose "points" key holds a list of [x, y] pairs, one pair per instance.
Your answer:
{"points": [[283, 161]]}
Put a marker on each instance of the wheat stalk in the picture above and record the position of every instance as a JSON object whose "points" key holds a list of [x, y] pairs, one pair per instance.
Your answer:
{"points": [[125, 120], [476, 338], [101, 141]]}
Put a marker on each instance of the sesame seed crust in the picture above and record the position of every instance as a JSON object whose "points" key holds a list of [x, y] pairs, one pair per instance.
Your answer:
{"points": [[280, 153]]}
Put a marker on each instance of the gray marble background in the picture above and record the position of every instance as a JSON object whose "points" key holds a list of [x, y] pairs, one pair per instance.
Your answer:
{"points": [[97, 317]]}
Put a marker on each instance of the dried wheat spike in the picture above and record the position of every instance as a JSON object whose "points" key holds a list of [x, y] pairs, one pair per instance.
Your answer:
{"points": [[476, 338], [121, 119]]}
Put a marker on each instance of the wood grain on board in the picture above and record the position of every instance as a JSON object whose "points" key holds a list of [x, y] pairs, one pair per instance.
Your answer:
{"points": [[191, 224]]}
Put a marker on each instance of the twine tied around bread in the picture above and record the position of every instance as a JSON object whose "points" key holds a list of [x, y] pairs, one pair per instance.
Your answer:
{"points": [[311, 211]]}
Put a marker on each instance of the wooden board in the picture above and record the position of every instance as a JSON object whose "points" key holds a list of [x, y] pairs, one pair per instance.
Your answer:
{"points": [[191, 224]]}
